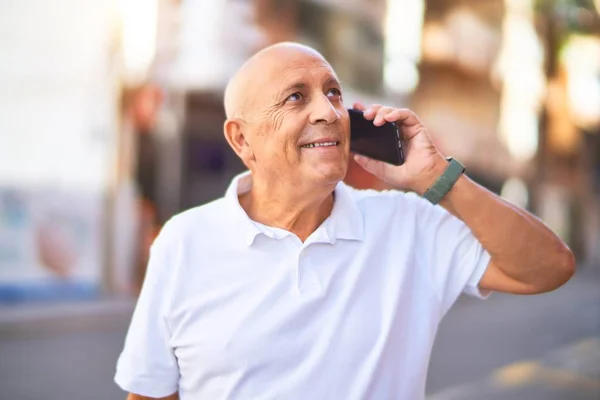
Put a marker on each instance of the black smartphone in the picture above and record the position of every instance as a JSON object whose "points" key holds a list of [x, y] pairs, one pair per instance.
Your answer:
{"points": [[381, 143]]}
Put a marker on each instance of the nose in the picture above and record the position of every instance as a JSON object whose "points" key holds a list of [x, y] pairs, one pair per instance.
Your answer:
{"points": [[323, 111]]}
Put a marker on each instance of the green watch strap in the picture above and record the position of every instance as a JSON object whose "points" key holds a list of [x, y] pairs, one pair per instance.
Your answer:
{"points": [[442, 186]]}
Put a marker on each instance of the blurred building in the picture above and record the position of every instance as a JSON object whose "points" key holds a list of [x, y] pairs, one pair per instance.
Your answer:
{"points": [[457, 95], [475, 72], [58, 139], [568, 162], [497, 90]]}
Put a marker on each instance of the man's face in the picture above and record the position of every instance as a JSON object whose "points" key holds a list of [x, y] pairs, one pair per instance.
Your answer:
{"points": [[299, 126]]}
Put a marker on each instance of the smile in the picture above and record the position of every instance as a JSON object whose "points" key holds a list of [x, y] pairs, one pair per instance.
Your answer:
{"points": [[322, 144]]}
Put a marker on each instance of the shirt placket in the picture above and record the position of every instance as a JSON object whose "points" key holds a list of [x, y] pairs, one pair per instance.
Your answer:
{"points": [[307, 279]]}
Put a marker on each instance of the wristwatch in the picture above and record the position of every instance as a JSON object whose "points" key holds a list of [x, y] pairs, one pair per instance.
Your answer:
{"points": [[444, 183]]}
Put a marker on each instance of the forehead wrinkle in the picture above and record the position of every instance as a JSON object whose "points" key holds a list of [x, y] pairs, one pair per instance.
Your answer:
{"points": [[316, 66]]}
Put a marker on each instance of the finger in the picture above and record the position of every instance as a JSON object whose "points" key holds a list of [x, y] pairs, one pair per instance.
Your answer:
{"points": [[358, 106], [380, 117], [403, 116], [363, 161], [371, 111]]}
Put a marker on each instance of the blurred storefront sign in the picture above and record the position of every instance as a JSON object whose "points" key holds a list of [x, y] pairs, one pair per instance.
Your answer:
{"points": [[50, 245]]}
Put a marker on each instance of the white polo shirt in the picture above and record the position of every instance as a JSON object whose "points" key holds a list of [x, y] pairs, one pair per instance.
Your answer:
{"points": [[232, 309]]}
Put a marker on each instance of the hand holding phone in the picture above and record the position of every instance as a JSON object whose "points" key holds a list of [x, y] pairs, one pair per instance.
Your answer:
{"points": [[381, 143]]}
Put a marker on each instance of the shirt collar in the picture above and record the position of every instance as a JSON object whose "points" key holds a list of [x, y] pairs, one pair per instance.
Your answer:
{"points": [[243, 224], [345, 221]]}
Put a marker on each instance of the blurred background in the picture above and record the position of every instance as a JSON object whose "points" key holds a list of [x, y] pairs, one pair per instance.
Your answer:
{"points": [[111, 122]]}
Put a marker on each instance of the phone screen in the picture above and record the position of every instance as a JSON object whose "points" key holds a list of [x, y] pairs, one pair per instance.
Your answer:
{"points": [[378, 142]]}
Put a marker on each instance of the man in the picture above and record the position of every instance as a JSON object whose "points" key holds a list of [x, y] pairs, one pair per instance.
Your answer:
{"points": [[295, 286]]}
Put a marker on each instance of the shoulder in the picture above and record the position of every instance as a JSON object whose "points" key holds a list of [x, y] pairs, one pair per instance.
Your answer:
{"points": [[184, 234], [200, 221], [205, 214], [391, 206], [378, 201], [408, 207]]}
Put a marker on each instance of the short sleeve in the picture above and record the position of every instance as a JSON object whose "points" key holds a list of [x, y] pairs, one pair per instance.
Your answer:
{"points": [[147, 365], [455, 258]]}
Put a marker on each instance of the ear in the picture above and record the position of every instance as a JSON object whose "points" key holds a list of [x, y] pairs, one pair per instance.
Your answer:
{"points": [[234, 134]]}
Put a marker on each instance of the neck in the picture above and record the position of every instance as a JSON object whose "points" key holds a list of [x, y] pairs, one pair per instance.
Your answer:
{"points": [[300, 212]]}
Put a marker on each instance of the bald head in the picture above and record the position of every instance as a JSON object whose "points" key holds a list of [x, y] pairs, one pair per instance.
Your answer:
{"points": [[246, 81], [284, 98]]}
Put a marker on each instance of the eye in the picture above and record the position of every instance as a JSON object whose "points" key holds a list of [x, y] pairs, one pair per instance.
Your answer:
{"points": [[333, 92], [294, 97]]}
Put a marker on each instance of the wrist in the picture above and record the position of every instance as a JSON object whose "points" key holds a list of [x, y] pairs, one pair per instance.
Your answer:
{"points": [[445, 183], [461, 184], [430, 175]]}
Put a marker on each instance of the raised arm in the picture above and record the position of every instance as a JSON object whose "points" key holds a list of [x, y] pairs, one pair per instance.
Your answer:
{"points": [[526, 256]]}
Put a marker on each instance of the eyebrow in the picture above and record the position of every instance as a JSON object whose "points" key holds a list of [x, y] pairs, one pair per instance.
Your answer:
{"points": [[301, 85], [333, 81], [292, 87]]}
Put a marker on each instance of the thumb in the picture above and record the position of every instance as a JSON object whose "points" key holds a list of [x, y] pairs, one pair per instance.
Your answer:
{"points": [[370, 165]]}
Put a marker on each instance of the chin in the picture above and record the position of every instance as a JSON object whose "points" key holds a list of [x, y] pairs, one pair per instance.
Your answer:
{"points": [[330, 174]]}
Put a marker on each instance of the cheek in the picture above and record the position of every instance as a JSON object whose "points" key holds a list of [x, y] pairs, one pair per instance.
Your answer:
{"points": [[345, 122], [281, 135]]}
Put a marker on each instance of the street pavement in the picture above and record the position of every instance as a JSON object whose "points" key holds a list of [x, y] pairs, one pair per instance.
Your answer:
{"points": [[521, 347], [506, 348]]}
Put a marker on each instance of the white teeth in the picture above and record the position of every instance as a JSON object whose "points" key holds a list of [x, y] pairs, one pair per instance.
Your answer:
{"points": [[323, 144]]}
